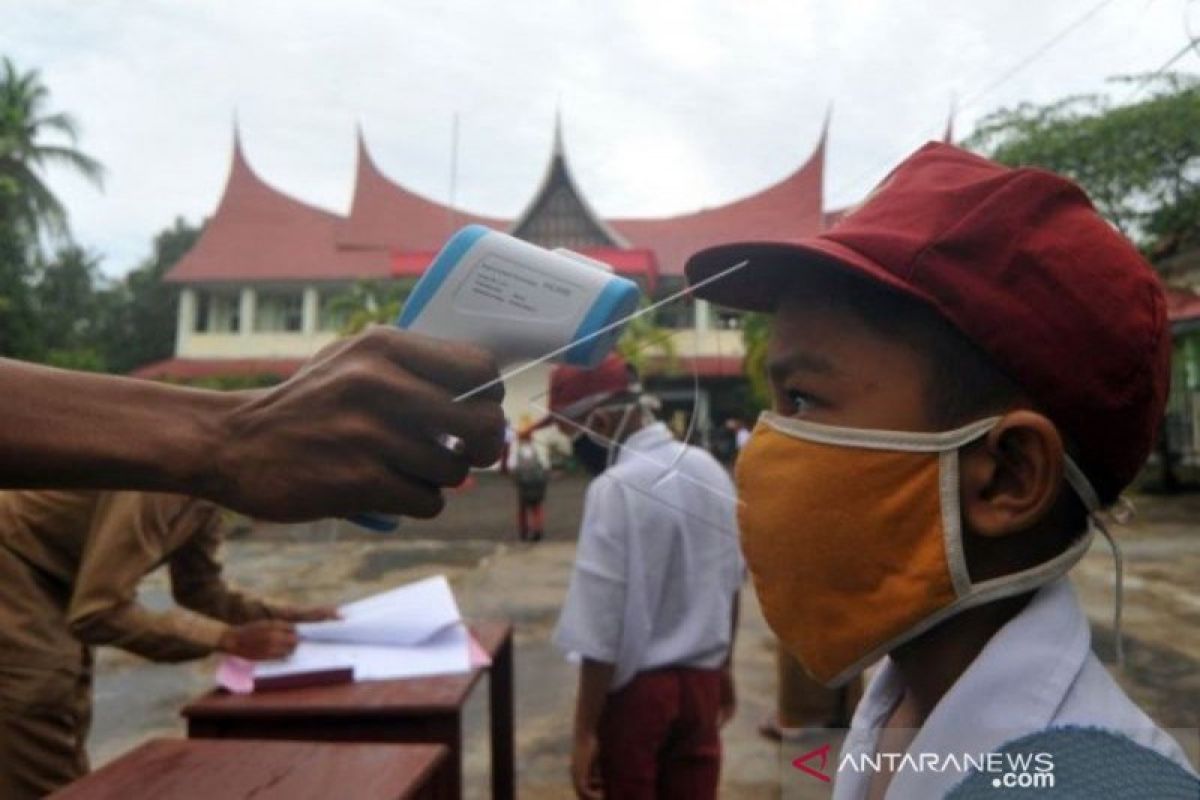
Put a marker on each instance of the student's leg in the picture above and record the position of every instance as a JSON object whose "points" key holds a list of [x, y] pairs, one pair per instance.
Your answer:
{"points": [[690, 764], [633, 730], [537, 521], [522, 520]]}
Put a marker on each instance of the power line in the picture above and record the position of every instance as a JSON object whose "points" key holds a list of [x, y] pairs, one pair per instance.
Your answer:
{"points": [[1191, 44], [1035, 55], [999, 81]]}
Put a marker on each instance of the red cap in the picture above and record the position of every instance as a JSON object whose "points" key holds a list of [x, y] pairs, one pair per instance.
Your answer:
{"points": [[1021, 263], [574, 390]]}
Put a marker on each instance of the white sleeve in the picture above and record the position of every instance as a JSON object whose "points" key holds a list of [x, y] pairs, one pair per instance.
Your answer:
{"points": [[590, 623]]}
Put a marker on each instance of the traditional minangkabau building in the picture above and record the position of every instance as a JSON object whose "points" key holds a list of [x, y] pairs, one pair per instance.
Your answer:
{"points": [[256, 289]]}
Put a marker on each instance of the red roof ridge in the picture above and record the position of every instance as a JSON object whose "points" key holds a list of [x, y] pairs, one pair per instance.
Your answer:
{"points": [[258, 232], [558, 157], [787, 209], [243, 178], [811, 171], [386, 215]]}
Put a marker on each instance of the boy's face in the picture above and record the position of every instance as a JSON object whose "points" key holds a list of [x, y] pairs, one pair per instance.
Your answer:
{"points": [[828, 366]]}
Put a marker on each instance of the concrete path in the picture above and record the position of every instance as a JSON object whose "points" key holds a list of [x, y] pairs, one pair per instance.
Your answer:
{"points": [[329, 563]]}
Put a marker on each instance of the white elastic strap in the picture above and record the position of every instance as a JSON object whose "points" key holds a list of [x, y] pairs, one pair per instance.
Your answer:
{"points": [[877, 439], [615, 445], [1119, 562], [1091, 501]]}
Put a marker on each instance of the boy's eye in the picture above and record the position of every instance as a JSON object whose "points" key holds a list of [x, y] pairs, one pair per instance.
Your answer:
{"points": [[798, 403]]}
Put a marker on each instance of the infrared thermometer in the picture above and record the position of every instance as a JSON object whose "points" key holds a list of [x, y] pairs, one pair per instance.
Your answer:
{"points": [[520, 302]]}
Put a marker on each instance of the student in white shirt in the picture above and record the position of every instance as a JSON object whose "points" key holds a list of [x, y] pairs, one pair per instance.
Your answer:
{"points": [[651, 608], [967, 371]]}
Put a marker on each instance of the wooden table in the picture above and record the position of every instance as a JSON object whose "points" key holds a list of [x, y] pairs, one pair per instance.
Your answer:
{"points": [[198, 769], [427, 710]]}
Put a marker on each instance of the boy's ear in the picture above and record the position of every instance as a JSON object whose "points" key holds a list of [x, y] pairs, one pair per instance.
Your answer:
{"points": [[1009, 480]]}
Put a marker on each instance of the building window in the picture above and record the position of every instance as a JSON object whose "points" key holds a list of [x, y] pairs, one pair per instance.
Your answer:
{"points": [[218, 312], [334, 309], [727, 320], [279, 311], [679, 314]]}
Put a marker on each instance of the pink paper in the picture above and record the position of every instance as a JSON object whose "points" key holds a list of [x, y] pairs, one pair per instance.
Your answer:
{"points": [[479, 657], [236, 674]]}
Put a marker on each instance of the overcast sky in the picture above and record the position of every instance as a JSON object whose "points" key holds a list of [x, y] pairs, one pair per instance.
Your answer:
{"points": [[667, 105]]}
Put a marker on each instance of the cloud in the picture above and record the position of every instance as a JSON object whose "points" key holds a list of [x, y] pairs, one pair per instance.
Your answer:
{"points": [[668, 106]]}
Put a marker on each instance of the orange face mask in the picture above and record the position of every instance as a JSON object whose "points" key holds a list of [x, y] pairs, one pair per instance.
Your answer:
{"points": [[853, 538]]}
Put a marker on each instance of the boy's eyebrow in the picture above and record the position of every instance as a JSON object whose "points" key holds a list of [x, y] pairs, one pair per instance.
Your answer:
{"points": [[780, 367]]}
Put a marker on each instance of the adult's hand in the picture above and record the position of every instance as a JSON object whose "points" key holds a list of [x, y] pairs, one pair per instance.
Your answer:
{"points": [[306, 614], [358, 428], [585, 771], [263, 640], [728, 705], [355, 430]]}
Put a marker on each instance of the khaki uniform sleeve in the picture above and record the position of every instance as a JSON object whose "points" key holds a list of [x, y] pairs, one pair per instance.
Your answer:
{"points": [[126, 541], [195, 569]]}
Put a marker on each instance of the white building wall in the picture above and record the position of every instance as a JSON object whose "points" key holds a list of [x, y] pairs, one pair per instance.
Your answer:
{"points": [[525, 393]]}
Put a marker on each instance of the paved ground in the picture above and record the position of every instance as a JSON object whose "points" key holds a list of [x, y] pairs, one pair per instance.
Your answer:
{"points": [[473, 545]]}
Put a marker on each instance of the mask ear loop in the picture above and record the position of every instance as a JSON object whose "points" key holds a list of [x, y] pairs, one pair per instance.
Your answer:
{"points": [[1121, 516], [614, 446]]}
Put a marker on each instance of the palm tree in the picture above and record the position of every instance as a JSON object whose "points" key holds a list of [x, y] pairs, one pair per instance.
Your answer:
{"points": [[25, 200]]}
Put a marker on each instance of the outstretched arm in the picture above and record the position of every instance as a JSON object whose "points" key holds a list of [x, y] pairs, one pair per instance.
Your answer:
{"points": [[356, 429]]}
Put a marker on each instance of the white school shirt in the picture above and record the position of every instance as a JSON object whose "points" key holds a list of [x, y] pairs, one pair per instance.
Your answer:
{"points": [[1037, 672], [658, 562]]}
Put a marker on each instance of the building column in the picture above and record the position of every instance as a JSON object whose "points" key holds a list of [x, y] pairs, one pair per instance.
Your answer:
{"points": [[703, 315], [246, 311], [185, 322], [311, 310]]}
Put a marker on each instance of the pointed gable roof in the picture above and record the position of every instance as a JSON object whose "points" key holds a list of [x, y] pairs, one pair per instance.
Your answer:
{"points": [[788, 209], [260, 233], [559, 215], [386, 216]]}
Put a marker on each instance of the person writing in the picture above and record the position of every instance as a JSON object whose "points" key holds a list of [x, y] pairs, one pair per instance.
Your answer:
{"points": [[70, 565]]}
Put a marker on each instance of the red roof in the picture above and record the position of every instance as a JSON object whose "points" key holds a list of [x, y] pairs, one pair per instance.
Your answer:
{"points": [[787, 210], [188, 369], [259, 233], [386, 216]]}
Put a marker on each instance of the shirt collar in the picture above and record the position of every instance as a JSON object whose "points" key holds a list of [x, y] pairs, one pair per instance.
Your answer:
{"points": [[1014, 686], [647, 438]]}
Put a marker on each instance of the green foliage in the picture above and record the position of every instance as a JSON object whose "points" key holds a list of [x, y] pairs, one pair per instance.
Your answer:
{"points": [[29, 212], [1139, 162], [368, 303], [18, 319], [141, 326], [31, 209], [647, 347], [229, 383], [756, 329], [72, 306]]}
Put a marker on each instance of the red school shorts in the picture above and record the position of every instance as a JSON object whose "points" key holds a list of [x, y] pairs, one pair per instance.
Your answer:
{"points": [[659, 738]]}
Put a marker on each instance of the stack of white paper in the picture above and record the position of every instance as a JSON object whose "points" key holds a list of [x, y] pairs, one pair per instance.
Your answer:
{"points": [[409, 632]]}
